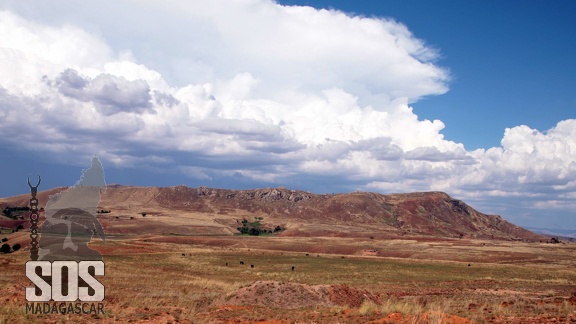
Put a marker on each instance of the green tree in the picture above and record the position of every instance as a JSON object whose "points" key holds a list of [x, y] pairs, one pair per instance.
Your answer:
{"points": [[254, 231], [254, 228], [251, 228]]}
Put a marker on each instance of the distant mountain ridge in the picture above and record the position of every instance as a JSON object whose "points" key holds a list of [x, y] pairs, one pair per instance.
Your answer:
{"points": [[301, 213], [569, 233]]}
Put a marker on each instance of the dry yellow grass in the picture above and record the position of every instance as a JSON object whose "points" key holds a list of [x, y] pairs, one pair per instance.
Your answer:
{"points": [[152, 281]]}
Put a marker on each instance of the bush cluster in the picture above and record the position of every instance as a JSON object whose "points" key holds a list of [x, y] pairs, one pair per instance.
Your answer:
{"points": [[254, 228], [14, 212], [5, 248]]}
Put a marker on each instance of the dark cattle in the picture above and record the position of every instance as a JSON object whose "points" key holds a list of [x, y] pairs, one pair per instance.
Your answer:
{"points": [[292, 268], [241, 262], [226, 263], [251, 266], [183, 254]]}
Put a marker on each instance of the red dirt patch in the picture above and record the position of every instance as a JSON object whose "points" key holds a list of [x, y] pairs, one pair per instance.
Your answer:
{"points": [[294, 295], [429, 317]]}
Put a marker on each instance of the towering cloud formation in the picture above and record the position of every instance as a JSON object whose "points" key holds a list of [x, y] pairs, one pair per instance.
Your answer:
{"points": [[316, 99]]}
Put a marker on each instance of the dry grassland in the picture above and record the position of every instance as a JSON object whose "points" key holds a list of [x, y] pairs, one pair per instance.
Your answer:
{"points": [[416, 280]]}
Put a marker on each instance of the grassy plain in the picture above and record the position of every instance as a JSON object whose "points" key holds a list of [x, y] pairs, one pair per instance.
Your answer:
{"points": [[166, 278]]}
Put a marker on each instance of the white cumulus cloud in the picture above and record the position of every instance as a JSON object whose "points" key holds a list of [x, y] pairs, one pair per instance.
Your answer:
{"points": [[284, 95]]}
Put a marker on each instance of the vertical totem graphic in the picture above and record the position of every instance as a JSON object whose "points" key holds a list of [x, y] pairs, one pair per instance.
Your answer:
{"points": [[34, 220]]}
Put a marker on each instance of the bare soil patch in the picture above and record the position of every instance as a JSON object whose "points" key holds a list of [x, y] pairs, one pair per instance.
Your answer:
{"points": [[289, 295]]}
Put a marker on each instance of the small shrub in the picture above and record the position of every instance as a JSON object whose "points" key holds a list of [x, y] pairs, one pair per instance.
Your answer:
{"points": [[16, 247], [368, 307], [5, 248]]}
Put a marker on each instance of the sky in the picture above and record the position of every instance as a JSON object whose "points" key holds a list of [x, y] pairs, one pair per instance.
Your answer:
{"points": [[473, 98]]}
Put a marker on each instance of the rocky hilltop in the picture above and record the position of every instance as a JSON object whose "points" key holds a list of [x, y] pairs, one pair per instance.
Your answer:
{"points": [[193, 211]]}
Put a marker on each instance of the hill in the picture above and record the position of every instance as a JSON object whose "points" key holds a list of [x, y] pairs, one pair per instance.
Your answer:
{"points": [[182, 210]]}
